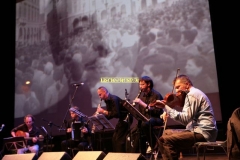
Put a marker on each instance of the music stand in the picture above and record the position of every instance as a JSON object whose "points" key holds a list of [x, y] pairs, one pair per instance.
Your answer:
{"points": [[134, 111], [101, 123], [14, 143], [140, 117]]}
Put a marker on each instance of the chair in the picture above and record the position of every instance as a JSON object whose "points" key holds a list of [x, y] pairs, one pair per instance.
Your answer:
{"points": [[223, 144], [209, 146]]}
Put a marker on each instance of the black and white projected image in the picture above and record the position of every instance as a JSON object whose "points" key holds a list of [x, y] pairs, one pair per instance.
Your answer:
{"points": [[66, 49]]}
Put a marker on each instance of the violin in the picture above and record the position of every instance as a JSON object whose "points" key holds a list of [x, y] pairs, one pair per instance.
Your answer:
{"points": [[171, 99]]}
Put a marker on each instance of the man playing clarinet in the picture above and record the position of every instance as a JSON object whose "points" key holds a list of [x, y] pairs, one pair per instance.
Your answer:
{"points": [[143, 101]]}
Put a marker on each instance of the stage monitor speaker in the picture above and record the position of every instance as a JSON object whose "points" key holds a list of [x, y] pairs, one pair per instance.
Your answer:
{"points": [[55, 156], [26, 156], [125, 156], [89, 155]]}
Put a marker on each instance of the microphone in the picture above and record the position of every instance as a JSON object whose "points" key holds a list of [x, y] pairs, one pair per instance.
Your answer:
{"points": [[3, 125], [126, 93], [78, 84], [45, 131]]}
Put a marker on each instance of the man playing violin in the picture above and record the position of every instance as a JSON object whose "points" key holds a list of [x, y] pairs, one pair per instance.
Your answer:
{"points": [[30, 132], [81, 141], [147, 108], [197, 115]]}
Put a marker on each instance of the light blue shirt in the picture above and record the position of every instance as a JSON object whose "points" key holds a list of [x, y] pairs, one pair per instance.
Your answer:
{"points": [[197, 114]]}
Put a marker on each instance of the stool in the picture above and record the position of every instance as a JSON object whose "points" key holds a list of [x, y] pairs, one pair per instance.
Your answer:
{"points": [[210, 146]]}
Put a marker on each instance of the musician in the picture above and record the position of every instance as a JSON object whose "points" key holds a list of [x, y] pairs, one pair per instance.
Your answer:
{"points": [[83, 140], [31, 132], [147, 96], [197, 115], [115, 109]]}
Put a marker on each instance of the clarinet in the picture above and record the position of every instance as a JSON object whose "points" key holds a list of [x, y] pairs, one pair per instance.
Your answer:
{"points": [[137, 96], [96, 111]]}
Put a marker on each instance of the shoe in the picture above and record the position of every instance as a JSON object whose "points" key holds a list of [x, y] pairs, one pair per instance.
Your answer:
{"points": [[149, 149]]}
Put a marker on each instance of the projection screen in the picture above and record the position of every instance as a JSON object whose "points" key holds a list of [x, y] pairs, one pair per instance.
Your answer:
{"points": [[66, 49]]}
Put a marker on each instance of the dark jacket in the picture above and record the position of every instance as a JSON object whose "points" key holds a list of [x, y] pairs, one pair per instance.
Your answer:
{"points": [[233, 135], [151, 97], [76, 133]]}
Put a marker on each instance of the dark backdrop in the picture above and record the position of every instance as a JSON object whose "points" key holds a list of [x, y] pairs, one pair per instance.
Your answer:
{"points": [[224, 18]]}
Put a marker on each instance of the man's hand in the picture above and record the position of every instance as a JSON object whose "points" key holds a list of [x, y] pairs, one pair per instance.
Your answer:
{"points": [[69, 130], [84, 130], [139, 101], [100, 110], [35, 139], [160, 103], [164, 116]]}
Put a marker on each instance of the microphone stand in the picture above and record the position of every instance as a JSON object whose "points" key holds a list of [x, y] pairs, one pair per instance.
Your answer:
{"points": [[70, 104], [128, 114], [50, 124], [48, 137]]}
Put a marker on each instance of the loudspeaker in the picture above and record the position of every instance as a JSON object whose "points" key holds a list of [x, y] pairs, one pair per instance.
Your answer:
{"points": [[125, 156], [55, 156], [26, 156], [89, 155]]}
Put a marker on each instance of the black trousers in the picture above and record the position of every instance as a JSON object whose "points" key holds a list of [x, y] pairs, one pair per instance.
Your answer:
{"points": [[65, 144], [119, 136]]}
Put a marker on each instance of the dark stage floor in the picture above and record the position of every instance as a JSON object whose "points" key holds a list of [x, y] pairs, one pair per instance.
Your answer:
{"points": [[219, 156]]}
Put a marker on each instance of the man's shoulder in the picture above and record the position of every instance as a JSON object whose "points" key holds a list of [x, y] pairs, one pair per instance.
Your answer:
{"points": [[114, 97], [157, 93], [197, 94], [196, 91]]}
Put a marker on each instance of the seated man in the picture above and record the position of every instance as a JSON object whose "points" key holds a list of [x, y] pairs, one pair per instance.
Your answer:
{"points": [[147, 108], [81, 138], [197, 115], [31, 132]]}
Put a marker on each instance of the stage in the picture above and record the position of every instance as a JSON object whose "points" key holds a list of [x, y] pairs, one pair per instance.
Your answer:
{"points": [[102, 149], [99, 155]]}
